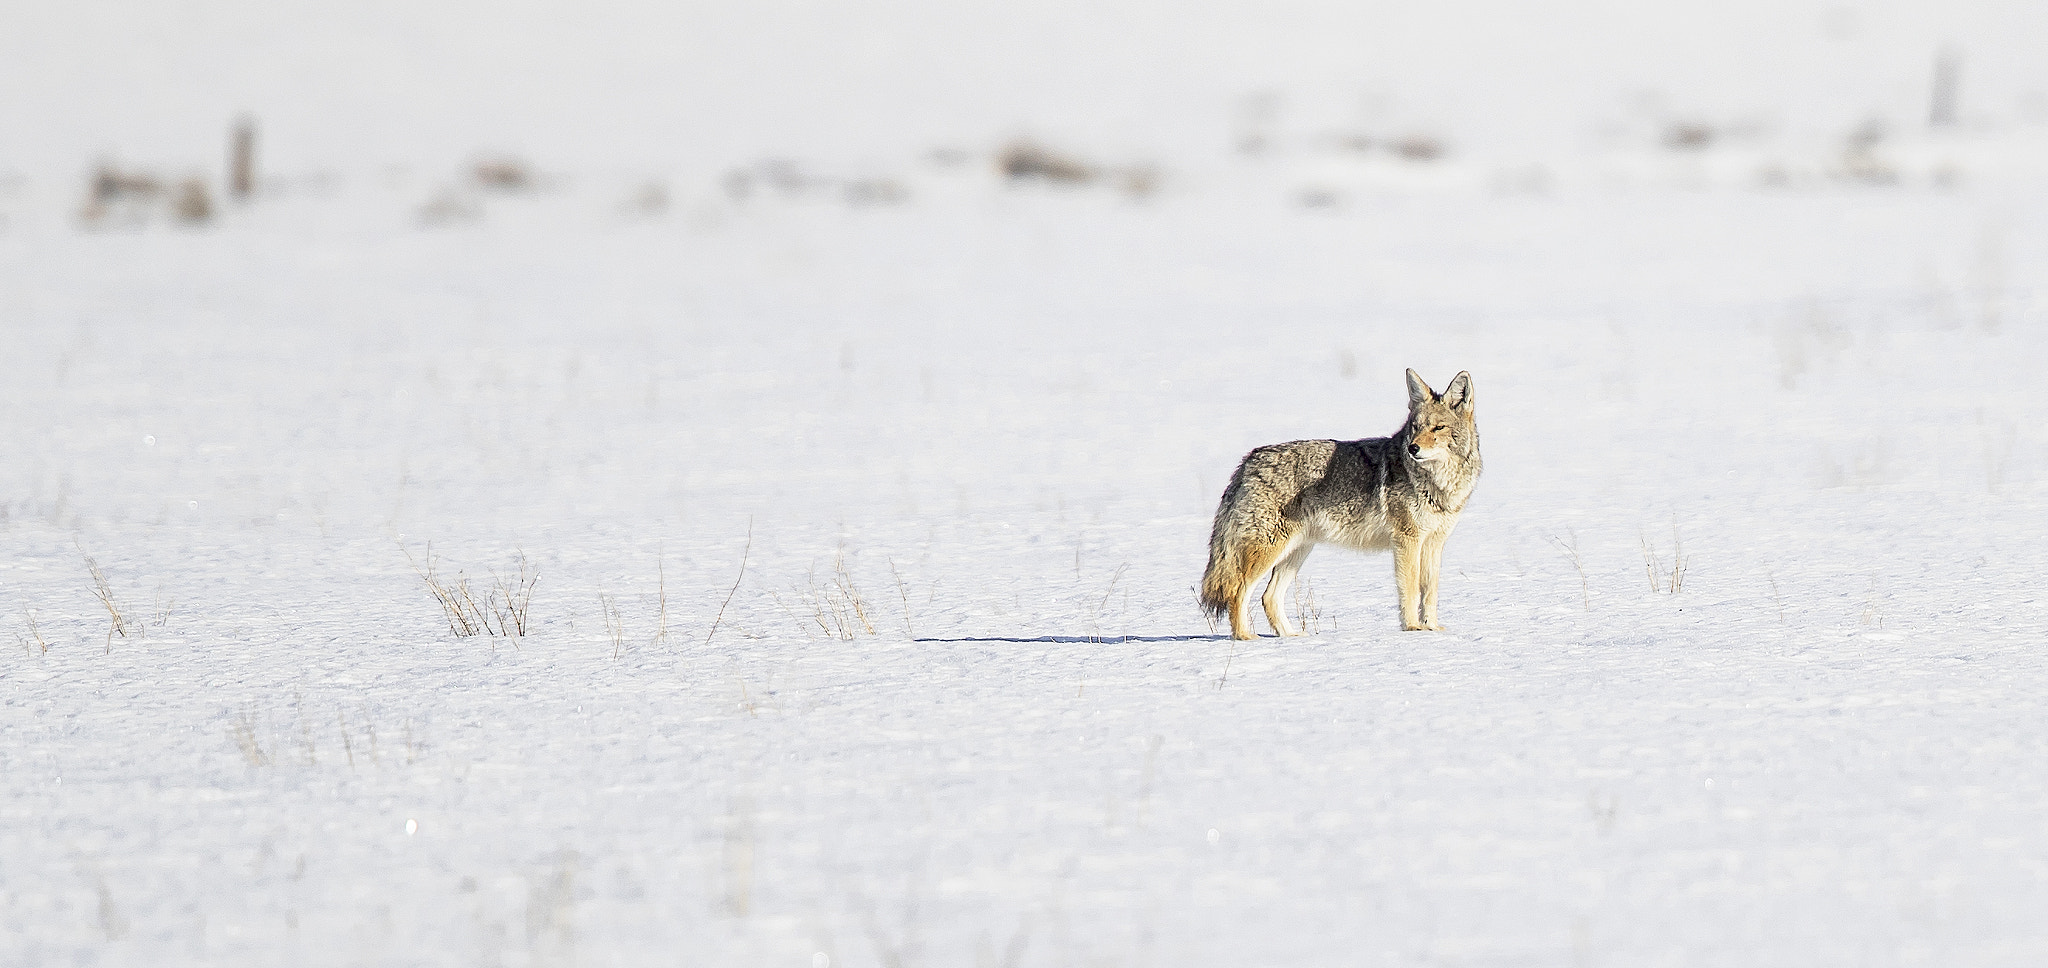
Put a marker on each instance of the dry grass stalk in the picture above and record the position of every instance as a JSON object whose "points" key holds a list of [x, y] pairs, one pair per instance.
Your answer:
{"points": [[1308, 616], [1418, 148], [119, 623], [193, 205], [348, 745], [160, 608], [514, 597], [1571, 551], [242, 159], [477, 612], [1676, 583], [786, 610], [508, 175], [243, 732], [1667, 581], [614, 626], [661, 595], [1941, 109], [454, 597], [1998, 446], [837, 607], [115, 197], [1652, 564], [1689, 136], [904, 594], [1095, 619], [306, 741], [739, 857], [502, 612], [35, 634], [110, 184], [1873, 607], [1023, 159], [849, 596], [450, 207]]}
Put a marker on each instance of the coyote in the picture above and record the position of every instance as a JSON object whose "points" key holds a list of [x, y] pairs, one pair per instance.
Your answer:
{"points": [[1401, 493]]}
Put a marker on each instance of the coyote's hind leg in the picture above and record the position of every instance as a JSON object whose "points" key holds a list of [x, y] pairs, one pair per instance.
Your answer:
{"points": [[1275, 598], [1257, 562]]}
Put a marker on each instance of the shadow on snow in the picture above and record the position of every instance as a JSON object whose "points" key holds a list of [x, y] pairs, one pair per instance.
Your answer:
{"points": [[1073, 639]]}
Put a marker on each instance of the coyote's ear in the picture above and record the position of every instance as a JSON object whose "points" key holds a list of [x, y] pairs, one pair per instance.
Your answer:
{"points": [[1419, 392], [1459, 394]]}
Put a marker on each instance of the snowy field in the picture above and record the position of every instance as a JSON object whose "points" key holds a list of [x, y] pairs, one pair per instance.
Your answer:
{"points": [[867, 490]]}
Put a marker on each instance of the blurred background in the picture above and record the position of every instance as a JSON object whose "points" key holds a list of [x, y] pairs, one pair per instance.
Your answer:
{"points": [[1495, 94]]}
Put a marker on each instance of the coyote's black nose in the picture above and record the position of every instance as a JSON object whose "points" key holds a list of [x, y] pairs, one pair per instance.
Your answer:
{"points": [[1414, 450]]}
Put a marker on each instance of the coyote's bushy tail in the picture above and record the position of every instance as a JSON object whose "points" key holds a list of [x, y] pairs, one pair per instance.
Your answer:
{"points": [[1224, 581], [1219, 584]]}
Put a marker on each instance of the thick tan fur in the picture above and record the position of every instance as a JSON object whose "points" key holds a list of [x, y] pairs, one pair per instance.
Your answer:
{"points": [[1401, 493]]}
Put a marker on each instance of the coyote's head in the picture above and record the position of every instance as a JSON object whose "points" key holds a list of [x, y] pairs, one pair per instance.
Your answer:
{"points": [[1440, 425]]}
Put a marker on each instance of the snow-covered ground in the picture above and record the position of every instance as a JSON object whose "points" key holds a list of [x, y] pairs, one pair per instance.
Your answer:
{"points": [[979, 427]]}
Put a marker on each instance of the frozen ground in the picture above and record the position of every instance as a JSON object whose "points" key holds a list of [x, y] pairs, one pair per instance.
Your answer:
{"points": [[1001, 415]]}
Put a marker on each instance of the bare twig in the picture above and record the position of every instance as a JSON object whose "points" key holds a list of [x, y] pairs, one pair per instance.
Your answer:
{"points": [[480, 611], [453, 599], [502, 612], [517, 594], [744, 554]]}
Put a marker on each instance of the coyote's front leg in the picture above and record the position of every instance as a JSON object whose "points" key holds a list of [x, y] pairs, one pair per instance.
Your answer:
{"points": [[1432, 576], [1408, 580]]}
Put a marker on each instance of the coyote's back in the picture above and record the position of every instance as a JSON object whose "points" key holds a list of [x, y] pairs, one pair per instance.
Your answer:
{"points": [[1400, 493]]}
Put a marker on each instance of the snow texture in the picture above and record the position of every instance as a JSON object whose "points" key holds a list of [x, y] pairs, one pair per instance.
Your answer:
{"points": [[867, 488]]}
